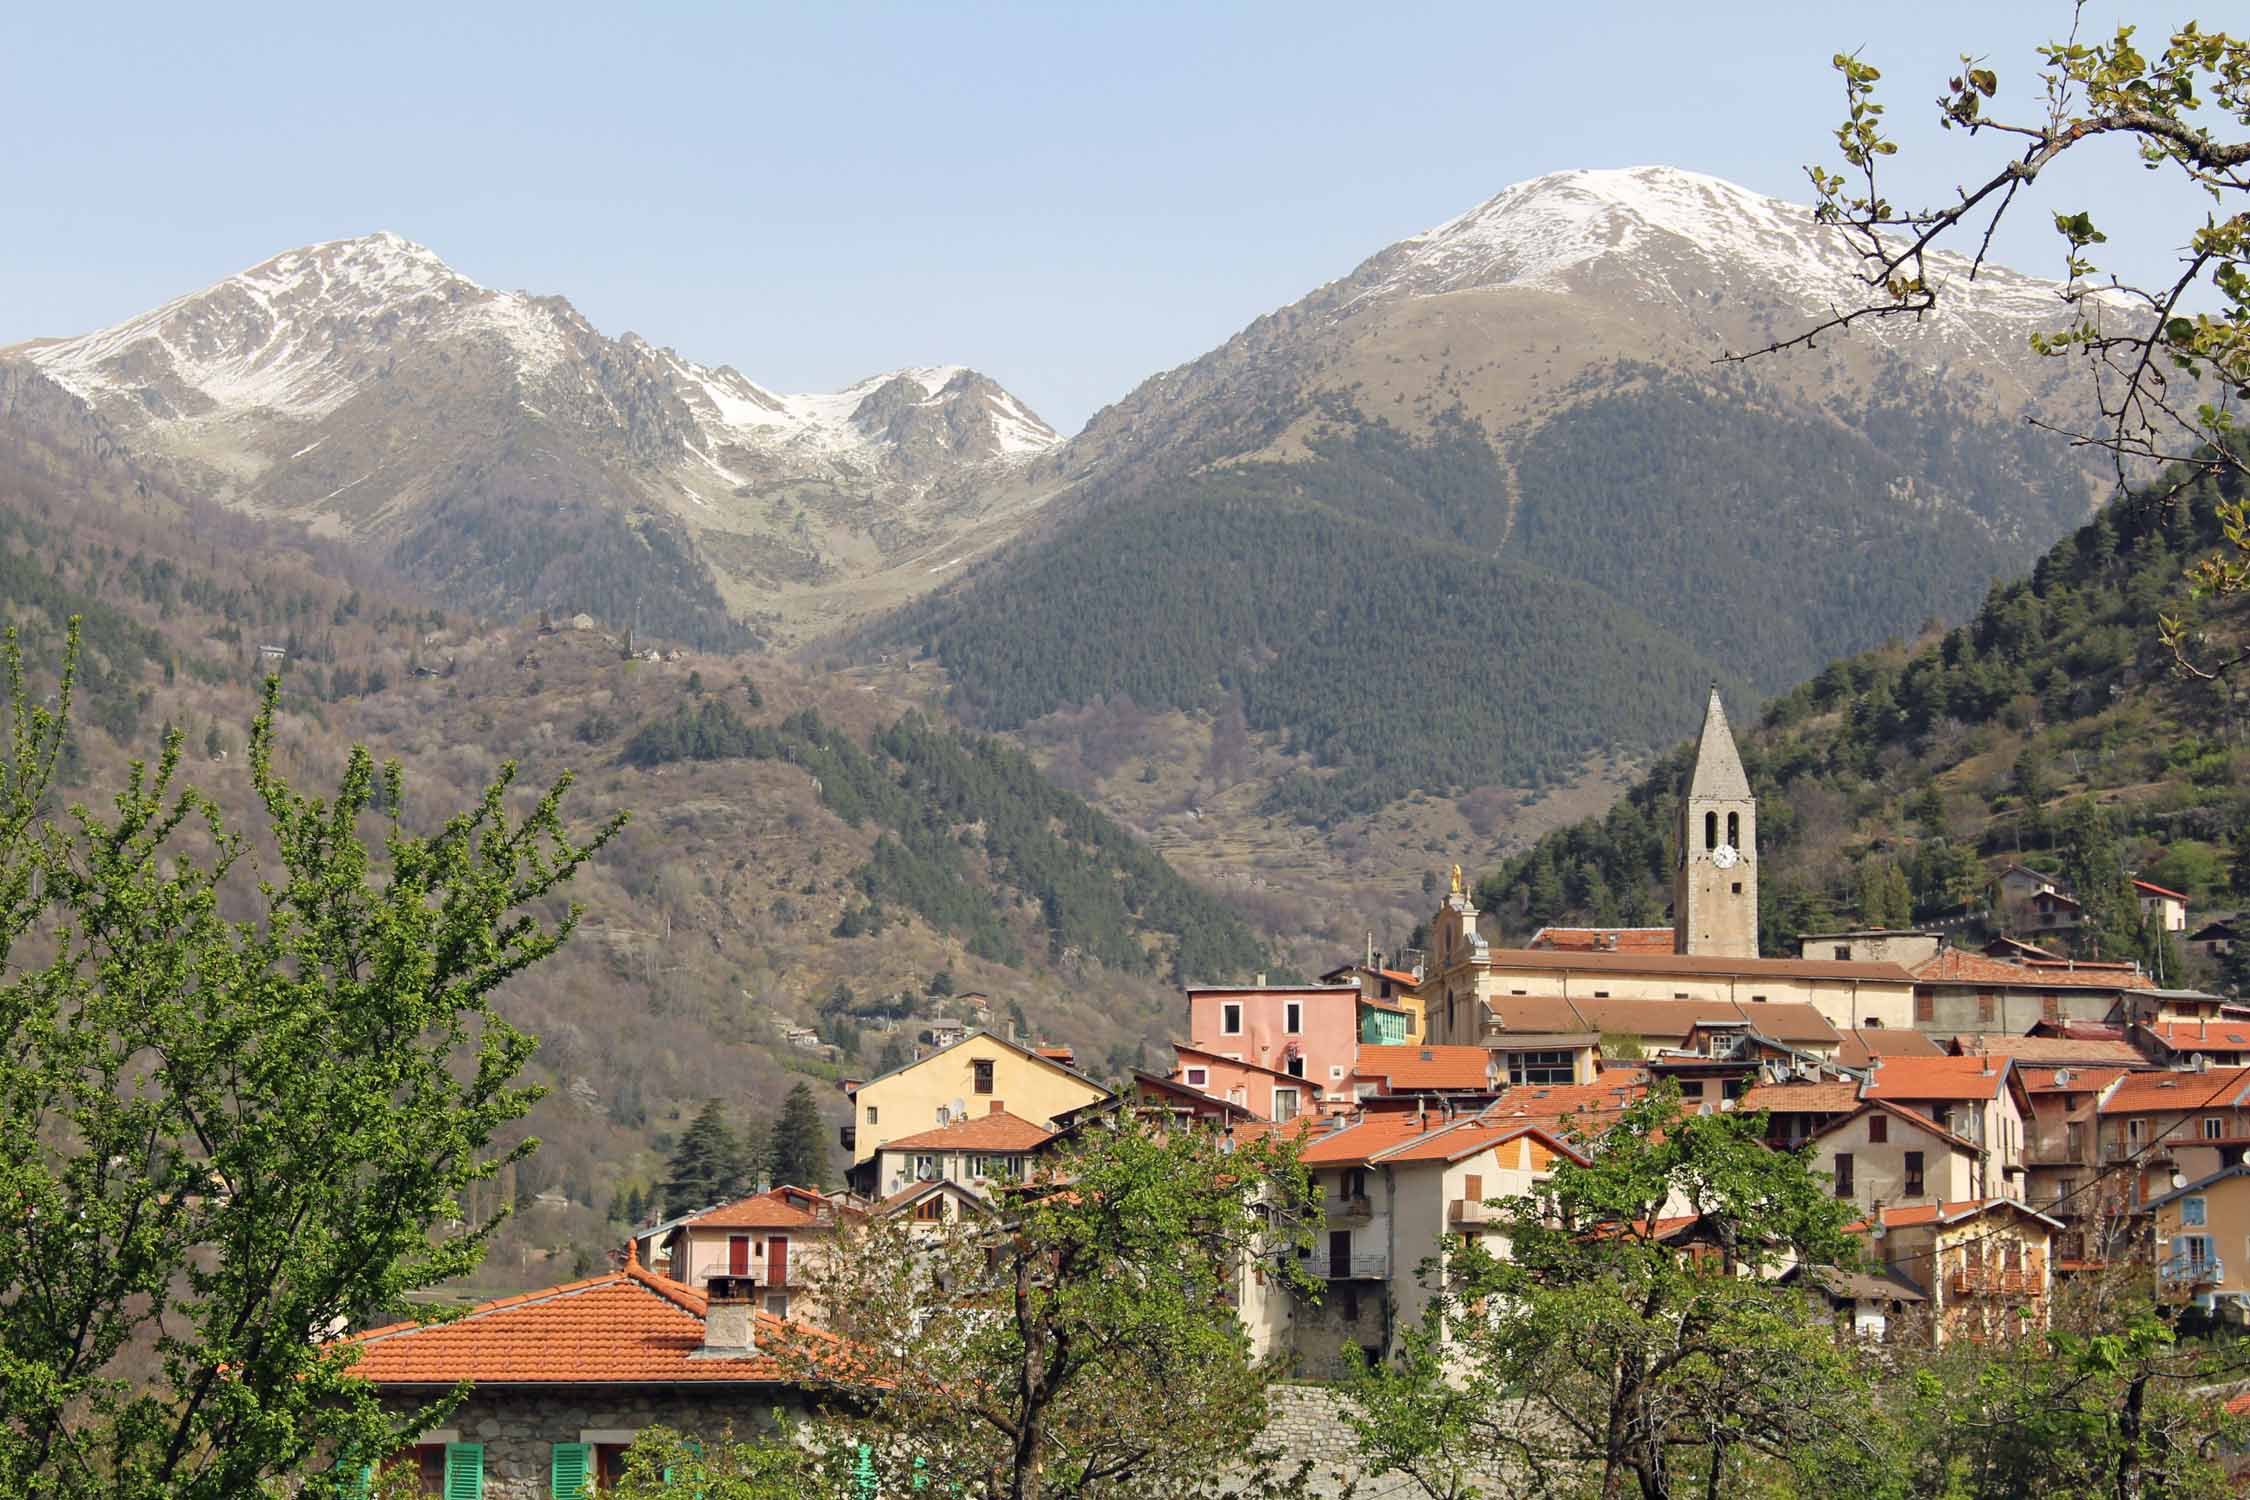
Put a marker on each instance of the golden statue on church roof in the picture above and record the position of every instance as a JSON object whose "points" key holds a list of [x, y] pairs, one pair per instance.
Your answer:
{"points": [[1456, 880]]}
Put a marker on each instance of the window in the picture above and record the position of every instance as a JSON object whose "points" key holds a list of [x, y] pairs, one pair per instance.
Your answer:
{"points": [[1542, 1067], [2136, 1131], [1734, 829], [1914, 1180], [2213, 1127], [1843, 953], [778, 1305], [926, 1168], [2191, 1212], [1198, 1077], [1925, 1006], [1284, 1105], [464, 1471], [2195, 1249], [1878, 1129], [1691, 1088], [1985, 1005], [870, 1114], [1843, 1174], [1757, 999], [1601, 994], [1737, 888], [1293, 1017], [1355, 1183], [930, 1210], [1230, 1018], [982, 1069]]}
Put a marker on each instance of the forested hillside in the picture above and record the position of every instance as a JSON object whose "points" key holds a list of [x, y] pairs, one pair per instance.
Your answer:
{"points": [[800, 855], [1355, 603], [1433, 613], [2048, 728]]}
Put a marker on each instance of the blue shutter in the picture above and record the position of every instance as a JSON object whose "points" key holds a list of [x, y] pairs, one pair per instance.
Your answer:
{"points": [[572, 1468], [464, 1471]]}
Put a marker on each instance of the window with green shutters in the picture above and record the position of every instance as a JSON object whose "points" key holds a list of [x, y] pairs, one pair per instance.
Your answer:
{"points": [[573, 1470], [464, 1471]]}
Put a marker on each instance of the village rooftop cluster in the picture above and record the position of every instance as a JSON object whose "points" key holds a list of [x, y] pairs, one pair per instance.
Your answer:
{"points": [[2002, 1117]]}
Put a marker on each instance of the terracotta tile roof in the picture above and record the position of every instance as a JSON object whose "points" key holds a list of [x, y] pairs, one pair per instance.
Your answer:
{"points": [[2202, 1036], [1548, 1015], [1184, 1050], [2147, 888], [1783, 1021], [1399, 976], [1937, 1078], [2072, 1080], [1959, 966], [1566, 1106], [1408, 1068], [2063, 1051], [760, 1211], [629, 1327], [998, 1131], [1909, 1215], [1467, 1137], [1859, 1045], [1698, 964], [2146, 1093], [1592, 939], [1370, 1135], [1803, 1098]]}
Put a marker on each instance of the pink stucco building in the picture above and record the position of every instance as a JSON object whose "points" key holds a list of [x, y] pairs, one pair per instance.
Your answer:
{"points": [[1305, 1031]]}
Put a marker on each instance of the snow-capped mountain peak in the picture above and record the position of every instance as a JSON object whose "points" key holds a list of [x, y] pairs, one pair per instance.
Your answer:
{"points": [[1682, 235]]}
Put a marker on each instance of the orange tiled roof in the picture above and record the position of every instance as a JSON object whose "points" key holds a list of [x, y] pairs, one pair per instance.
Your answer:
{"points": [[1960, 966], [1468, 1137], [629, 1327], [2063, 1051], [1407, 1068], [2158, 890], [1912, 1118], [1862, 1044], [998, 1131], [1618, 939], [1803, 1098], [2202, 1036], [2069, 1080], [1906, 1215], [1937, 1078], [768, 1210], [1369, 1136], [1565, 1105], [2145, 1093]]}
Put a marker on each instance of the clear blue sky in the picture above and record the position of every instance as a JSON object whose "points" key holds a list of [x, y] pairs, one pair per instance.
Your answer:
{"points": [[1070, 197]]}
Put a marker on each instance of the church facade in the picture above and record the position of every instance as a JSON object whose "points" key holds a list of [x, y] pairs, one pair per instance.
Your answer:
{"points": [[1715, 958]]}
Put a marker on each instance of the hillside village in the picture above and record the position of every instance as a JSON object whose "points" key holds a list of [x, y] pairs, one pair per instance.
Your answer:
{"points": [[2001, 1117]]}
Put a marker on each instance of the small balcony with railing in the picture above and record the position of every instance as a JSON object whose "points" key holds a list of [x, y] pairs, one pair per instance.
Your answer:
{"points": [[1362, 1265], [1994, 1281], [2187, 1271], [1470, 1212], [1349, 1211], [2058, 1147]]}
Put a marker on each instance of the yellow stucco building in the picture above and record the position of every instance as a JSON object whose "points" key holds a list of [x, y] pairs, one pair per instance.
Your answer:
{"points": [[979, 1075]]}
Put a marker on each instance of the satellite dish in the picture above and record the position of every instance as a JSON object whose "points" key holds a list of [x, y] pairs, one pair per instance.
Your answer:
{"points": [[2179, 1178]]}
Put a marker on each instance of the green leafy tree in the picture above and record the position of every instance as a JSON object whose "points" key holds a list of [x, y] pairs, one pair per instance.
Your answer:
{"points": [[664, 1464], [708, 1165], [799, 1152], [1087, 1346], [235, 1114], [1600, 1358]]}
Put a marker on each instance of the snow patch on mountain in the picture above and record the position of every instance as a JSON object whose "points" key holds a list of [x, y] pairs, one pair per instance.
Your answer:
{"points": [[1682, 234]]}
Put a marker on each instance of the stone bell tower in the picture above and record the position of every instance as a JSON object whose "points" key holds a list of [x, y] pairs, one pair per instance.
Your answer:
{"points": [[1715, 887]]}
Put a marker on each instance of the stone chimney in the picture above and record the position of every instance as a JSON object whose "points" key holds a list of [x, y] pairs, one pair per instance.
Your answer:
{"points": [[730, 1329]]}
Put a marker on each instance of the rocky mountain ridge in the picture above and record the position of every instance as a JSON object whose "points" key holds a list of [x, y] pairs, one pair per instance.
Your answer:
{"points": [[361, 383]]}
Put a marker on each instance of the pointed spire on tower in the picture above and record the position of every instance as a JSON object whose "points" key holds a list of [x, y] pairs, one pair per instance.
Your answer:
{"points": [[1718, 769]]}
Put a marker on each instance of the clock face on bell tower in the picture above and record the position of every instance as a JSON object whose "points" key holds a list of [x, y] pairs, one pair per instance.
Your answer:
{"points": [[1715, 884]]}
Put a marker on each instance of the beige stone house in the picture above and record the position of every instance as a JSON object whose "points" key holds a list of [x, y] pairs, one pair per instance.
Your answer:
{"points": [[564, 1379], [766, 1242], [1984, 1265], [1883, 1155], [982, 1153], [974, 1076], [1979, 1099], [2201, 1234]]}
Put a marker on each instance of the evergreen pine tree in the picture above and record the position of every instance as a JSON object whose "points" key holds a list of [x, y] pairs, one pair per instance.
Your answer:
{"points": [[707, 1165], [800, 1141]]}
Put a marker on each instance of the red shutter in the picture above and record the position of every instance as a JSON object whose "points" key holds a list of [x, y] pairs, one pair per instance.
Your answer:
{"points": [[738, 1255]]}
